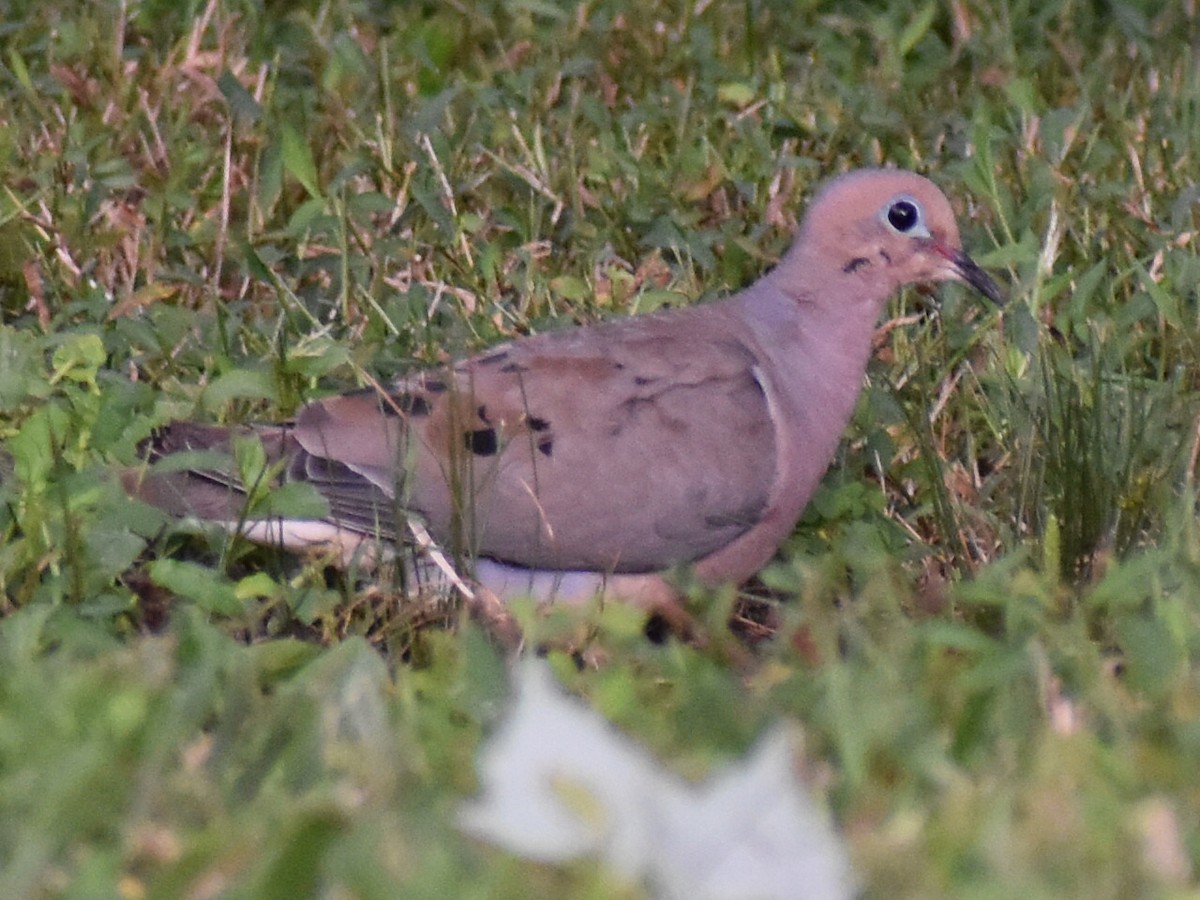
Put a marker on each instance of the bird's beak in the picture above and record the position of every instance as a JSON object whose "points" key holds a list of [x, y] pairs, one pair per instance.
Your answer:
{"points": [[967, 270]]}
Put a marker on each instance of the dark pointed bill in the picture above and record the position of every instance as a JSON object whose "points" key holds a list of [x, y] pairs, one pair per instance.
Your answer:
{"points": [[968, 270]]}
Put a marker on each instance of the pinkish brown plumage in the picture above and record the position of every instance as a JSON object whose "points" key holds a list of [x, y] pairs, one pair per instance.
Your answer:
{"points": [[608, 457]]}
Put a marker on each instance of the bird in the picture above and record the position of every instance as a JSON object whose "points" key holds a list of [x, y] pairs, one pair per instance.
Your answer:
{"points": [[612, 459]]}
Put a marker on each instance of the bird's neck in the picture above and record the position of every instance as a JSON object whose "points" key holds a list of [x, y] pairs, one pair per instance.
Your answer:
{"points": [[820, 347], [817, 360]]}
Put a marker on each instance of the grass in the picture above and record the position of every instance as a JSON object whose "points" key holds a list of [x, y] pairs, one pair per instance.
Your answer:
{"points": [[988, 623]]}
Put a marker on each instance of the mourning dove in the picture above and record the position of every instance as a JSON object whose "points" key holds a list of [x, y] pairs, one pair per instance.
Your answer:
{"points": [[607, 458]]}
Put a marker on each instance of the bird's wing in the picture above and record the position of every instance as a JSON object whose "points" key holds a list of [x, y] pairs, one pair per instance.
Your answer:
{"points": [[628, 447]]}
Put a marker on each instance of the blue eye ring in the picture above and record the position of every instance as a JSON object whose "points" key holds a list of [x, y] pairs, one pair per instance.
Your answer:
{"points": [[903, 215]]}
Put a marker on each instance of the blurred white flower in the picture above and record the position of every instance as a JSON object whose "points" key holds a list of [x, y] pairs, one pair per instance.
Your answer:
{"points": [[752, 831], [559, 782]]}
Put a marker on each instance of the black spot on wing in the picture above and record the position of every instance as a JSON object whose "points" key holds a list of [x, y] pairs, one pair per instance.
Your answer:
{"points": [[482, 413], [491, 359], [546, 446], [742, 519], [405, 403], [538, 424], [855, 264], [482, 441], [395, 403]]}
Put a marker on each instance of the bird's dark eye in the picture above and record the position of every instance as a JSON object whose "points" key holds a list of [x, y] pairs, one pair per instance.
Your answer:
{"points": [[903, 215]]}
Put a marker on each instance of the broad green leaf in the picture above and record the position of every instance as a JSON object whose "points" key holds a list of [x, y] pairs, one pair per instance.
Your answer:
{"points": [[208, 589], [298, 160]]}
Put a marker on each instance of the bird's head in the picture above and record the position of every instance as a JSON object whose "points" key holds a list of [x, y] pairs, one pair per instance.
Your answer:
{"points": [[870, 232]]}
